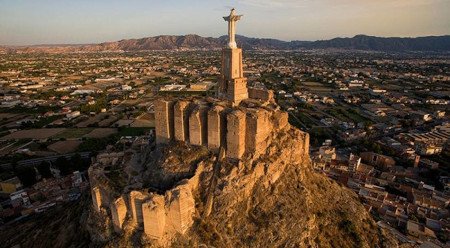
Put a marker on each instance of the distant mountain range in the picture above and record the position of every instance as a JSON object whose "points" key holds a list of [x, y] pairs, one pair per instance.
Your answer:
{"points": [[173, 42]]}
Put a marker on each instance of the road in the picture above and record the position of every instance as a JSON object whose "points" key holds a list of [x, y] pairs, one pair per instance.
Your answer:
{"points": [[36, 161]]}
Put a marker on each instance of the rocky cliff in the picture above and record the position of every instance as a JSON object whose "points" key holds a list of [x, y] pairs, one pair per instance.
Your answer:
{"points": [[184, 195]]}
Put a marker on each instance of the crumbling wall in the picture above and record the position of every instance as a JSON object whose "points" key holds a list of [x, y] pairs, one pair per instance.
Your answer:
{"points": [[100, 192], [118, 213], [137, 198], [96, 198], [154, 216], [109, 158], [180, 208], [261, 94]]}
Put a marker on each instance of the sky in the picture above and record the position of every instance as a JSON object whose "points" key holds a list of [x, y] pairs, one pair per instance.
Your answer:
{"points": [[27, 22]]}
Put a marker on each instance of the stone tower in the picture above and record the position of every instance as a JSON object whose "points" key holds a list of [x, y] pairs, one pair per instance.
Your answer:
{"points": [[233, 84]]}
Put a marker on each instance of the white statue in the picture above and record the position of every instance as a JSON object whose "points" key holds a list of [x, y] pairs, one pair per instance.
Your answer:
{"points": [[232, 19]]}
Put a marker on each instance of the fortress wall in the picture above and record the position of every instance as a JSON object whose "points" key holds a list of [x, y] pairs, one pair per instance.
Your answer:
{"points": [[137, 198], [169, 214], [118, 213], [96, 198], [154, 216], [261, 94], [198, 127], [215, 127], [181, 208], [218, 126], [258, 128], [235, 134], [181, 120], [164, 122]]}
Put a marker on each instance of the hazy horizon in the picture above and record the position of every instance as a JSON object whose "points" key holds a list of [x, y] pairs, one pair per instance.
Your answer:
{"points": [[25, 22]]}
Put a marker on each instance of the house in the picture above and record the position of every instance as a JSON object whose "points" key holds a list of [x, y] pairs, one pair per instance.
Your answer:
{"points": [[327, 153], [72, 115], [353, 162], [378, 160], [20, 198], [11, 185], [418, 230]]}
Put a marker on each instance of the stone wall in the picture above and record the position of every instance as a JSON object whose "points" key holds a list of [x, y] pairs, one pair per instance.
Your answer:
{"points": [[164, 121], [235, 134], [160, 216], [216, 127], [261, 94], [181, 120], [118, 213], [198, 126], [96, 198], [137, 199], [258, 127], [154, 215], [214, 124]]}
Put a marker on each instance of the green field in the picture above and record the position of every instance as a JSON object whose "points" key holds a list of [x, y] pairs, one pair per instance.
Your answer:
{"points": [[347, 115], [73, 133]]}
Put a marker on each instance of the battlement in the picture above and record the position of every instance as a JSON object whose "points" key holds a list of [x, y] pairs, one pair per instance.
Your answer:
{"points": [[214, 124]]}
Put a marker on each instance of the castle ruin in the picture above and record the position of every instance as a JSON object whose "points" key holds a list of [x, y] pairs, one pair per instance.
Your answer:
{"points": [[240, 124]]}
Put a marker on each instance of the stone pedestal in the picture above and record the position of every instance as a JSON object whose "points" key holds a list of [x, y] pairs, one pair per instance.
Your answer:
{"points": [[233, 84]]}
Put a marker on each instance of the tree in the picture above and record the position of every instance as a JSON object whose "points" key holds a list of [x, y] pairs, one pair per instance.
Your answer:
{"points": [[63, 165], [44, 169], [77, 162], [27, 176]]}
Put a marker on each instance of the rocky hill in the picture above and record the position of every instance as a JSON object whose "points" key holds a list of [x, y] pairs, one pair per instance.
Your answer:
{"points": [[271, 200], [192, 197], [372, 43], [173, 42]]}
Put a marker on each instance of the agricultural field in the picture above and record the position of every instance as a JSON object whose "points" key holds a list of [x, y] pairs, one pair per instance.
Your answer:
{"points": [[73, 133], [100, 133], [65, 146], [41, 133]]}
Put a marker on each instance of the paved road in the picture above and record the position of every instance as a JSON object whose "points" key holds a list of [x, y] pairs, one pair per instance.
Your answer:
{"points": [[36, 161]]}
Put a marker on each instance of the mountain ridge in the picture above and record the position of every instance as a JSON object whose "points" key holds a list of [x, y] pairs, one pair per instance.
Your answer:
{"points": [[193, 42]]}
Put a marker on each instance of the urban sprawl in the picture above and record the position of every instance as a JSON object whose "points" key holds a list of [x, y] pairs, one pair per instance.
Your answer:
{"points": [[378, 123]]}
